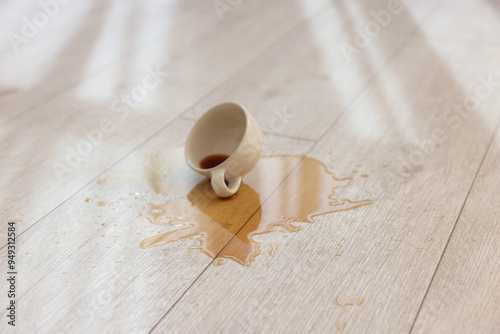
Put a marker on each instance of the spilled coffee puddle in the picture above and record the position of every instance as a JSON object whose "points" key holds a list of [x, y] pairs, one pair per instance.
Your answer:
{"points": [[280, 190]]}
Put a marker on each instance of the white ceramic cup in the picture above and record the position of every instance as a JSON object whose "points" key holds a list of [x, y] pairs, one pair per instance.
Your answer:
{"points": [[230, 130]]}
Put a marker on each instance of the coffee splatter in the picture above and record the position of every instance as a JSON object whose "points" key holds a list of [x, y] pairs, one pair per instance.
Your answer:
{"points": [[279, 192]]}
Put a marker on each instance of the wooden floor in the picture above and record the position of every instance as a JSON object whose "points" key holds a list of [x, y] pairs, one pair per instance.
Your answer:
{"points": [[98, 97]]}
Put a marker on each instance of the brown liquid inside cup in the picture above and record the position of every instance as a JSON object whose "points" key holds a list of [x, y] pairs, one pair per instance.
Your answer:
{"points": [[213, 160]]}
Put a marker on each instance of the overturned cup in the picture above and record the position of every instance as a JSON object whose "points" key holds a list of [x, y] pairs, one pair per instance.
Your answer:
{"points": [[224, 145]]}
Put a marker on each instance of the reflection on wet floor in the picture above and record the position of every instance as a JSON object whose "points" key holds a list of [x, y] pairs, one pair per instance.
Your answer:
{"points": [[281, 190]]}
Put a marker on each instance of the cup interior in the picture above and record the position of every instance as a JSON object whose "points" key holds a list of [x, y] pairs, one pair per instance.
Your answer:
{"points": [[219, 131]]}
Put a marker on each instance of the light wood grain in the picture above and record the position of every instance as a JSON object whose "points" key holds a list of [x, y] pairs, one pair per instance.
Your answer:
{"points": [[472, 23], [45, 135], [82, 39], [386, 253], [93, 252], [300, 74], [465, 291], [423, 257]]}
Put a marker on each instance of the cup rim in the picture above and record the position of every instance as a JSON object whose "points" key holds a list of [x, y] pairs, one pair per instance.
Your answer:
{"points": [[188, 141]]}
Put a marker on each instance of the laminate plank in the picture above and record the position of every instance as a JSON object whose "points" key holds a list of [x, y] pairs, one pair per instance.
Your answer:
{"points": [[80, 40], [465, 290], [86, 253], [300, 73], [384, 254], [38, 178], [469, 22], [421, 257]]}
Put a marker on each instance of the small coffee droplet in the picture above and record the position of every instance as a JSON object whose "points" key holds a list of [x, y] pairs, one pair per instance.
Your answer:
{"points": [[355, 301], [213, 160]]}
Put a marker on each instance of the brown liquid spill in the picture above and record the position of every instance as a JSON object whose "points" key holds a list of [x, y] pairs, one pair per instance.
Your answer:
{"points": [[213, 160], [280, 191]]}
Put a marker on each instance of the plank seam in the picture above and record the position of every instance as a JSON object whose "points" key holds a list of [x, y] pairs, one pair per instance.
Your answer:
{"points": [[455, 225]]}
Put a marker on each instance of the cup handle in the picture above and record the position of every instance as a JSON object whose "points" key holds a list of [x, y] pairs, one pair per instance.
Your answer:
{"points": [[219, 185]]}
